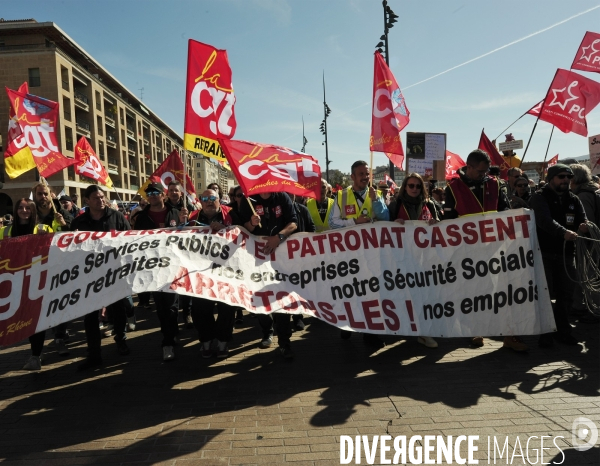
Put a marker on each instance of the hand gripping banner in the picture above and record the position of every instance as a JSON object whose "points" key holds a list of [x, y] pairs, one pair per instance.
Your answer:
{"points": [[209, 100], [480, 276]]}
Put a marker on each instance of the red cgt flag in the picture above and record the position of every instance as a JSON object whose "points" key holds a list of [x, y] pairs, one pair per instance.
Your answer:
{"points": [[170, 170], [209, 100], [264, 168], [18, 158], [389, 113], [587, 57], [89, 165], [37, 120], [553, 161], [569, 99], [487, 145], [453, 163]]}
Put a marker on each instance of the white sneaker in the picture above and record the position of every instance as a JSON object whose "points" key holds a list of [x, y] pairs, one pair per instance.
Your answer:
{"points": [[427, 341], [34, 364], [168, 353], [61, 348], [266, 342], [131, 324]]}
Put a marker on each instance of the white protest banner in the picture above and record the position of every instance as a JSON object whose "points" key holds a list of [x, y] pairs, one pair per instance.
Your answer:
{"points": [[482, 275]]}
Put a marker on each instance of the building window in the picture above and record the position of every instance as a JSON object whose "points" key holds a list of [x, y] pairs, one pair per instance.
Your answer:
{"points": [[98, 101], [34, 77]]}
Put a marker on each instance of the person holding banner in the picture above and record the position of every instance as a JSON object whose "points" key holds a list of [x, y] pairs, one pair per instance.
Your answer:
{"points": [[473, 192], [160, 215], [271, 215], [25, 223], [58, 219], [413, 203], [218, 217], [359, 203], [320, 211], [558, 215], [99, 217]]}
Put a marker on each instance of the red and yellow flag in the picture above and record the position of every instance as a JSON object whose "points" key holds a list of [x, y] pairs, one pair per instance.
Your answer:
{"points": [[209, 101], [37, 120], [89, 165], [18, 158], [170, 170]]}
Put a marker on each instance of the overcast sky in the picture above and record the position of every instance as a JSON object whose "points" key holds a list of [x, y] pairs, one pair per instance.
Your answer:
{"points": [[279, 49]]}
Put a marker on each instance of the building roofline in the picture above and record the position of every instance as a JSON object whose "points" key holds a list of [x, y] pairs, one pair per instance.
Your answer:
{"points": [[27, 24]]}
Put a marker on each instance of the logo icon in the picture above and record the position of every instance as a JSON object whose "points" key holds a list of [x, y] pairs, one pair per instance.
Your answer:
{"points": [[555, 100], [584, 434]]}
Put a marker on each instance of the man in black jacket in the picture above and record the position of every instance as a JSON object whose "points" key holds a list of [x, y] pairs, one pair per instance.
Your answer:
{"points": [[275, 218], [558, 215], [160, 215], [99, 217]]}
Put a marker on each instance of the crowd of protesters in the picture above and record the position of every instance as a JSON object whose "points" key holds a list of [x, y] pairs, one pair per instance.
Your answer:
{"points": [[563, 203]]}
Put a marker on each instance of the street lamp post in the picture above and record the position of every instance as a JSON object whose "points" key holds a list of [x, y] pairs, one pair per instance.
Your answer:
{"points": [[389, 18], [323, 129]]}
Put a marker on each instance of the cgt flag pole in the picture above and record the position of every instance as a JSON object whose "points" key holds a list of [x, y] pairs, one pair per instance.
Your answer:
{"points": [[43, 180]]}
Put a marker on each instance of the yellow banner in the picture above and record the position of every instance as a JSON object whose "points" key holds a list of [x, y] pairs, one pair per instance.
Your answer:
{"points": [[203, 145]]}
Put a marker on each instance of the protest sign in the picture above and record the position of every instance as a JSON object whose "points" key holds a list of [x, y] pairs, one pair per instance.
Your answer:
{"points": [[482, 275]]}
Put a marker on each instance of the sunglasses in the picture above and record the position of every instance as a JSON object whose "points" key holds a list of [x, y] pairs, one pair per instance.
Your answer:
{"points": [[414, 186], [521, 186], [209, 198], [153, 193], [563, 176]]}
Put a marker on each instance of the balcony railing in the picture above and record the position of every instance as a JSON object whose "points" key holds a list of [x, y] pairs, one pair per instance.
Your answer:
{"points": [[111, 138], [82, 98], [82, 124], [134, 187], [113, 162]]}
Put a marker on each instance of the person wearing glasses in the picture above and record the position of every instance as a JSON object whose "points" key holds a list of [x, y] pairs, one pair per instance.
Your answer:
{"points": [[272, 216], [559, 217], [158, 214], [217, 217], [522, 194], [474, 192], [514, 174], [413, 203]]}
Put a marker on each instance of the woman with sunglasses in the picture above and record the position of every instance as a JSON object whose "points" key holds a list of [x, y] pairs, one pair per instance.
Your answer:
{"points": [[413, 203], [521, 194], [25, 223]]}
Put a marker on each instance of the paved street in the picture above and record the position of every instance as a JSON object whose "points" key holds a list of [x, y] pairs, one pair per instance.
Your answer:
{"points": [[256, 408]]}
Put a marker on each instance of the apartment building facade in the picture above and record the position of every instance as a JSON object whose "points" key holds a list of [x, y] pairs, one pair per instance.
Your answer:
{"points": [[130, 139]]}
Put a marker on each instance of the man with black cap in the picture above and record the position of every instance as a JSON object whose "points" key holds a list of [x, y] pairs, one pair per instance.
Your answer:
{"points": [[67, 203], [160, 215], [559, 215]]}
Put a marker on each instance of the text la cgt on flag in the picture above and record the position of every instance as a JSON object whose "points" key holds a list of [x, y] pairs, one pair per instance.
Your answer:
{"points": [[389, 113], [89, 165], [209, 101], [18, 158], [265, 168], [37, 119]]}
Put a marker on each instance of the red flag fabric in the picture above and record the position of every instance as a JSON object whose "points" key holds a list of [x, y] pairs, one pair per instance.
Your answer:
{"points": [[391, 184], [89, 165], [553, 161], [389, 113], [37, 119], [497, 159], [337, 188], [209, 100], [170, 170], [587, 57], [18, 158], [453, 163], [569, 99], [264, 168]]}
